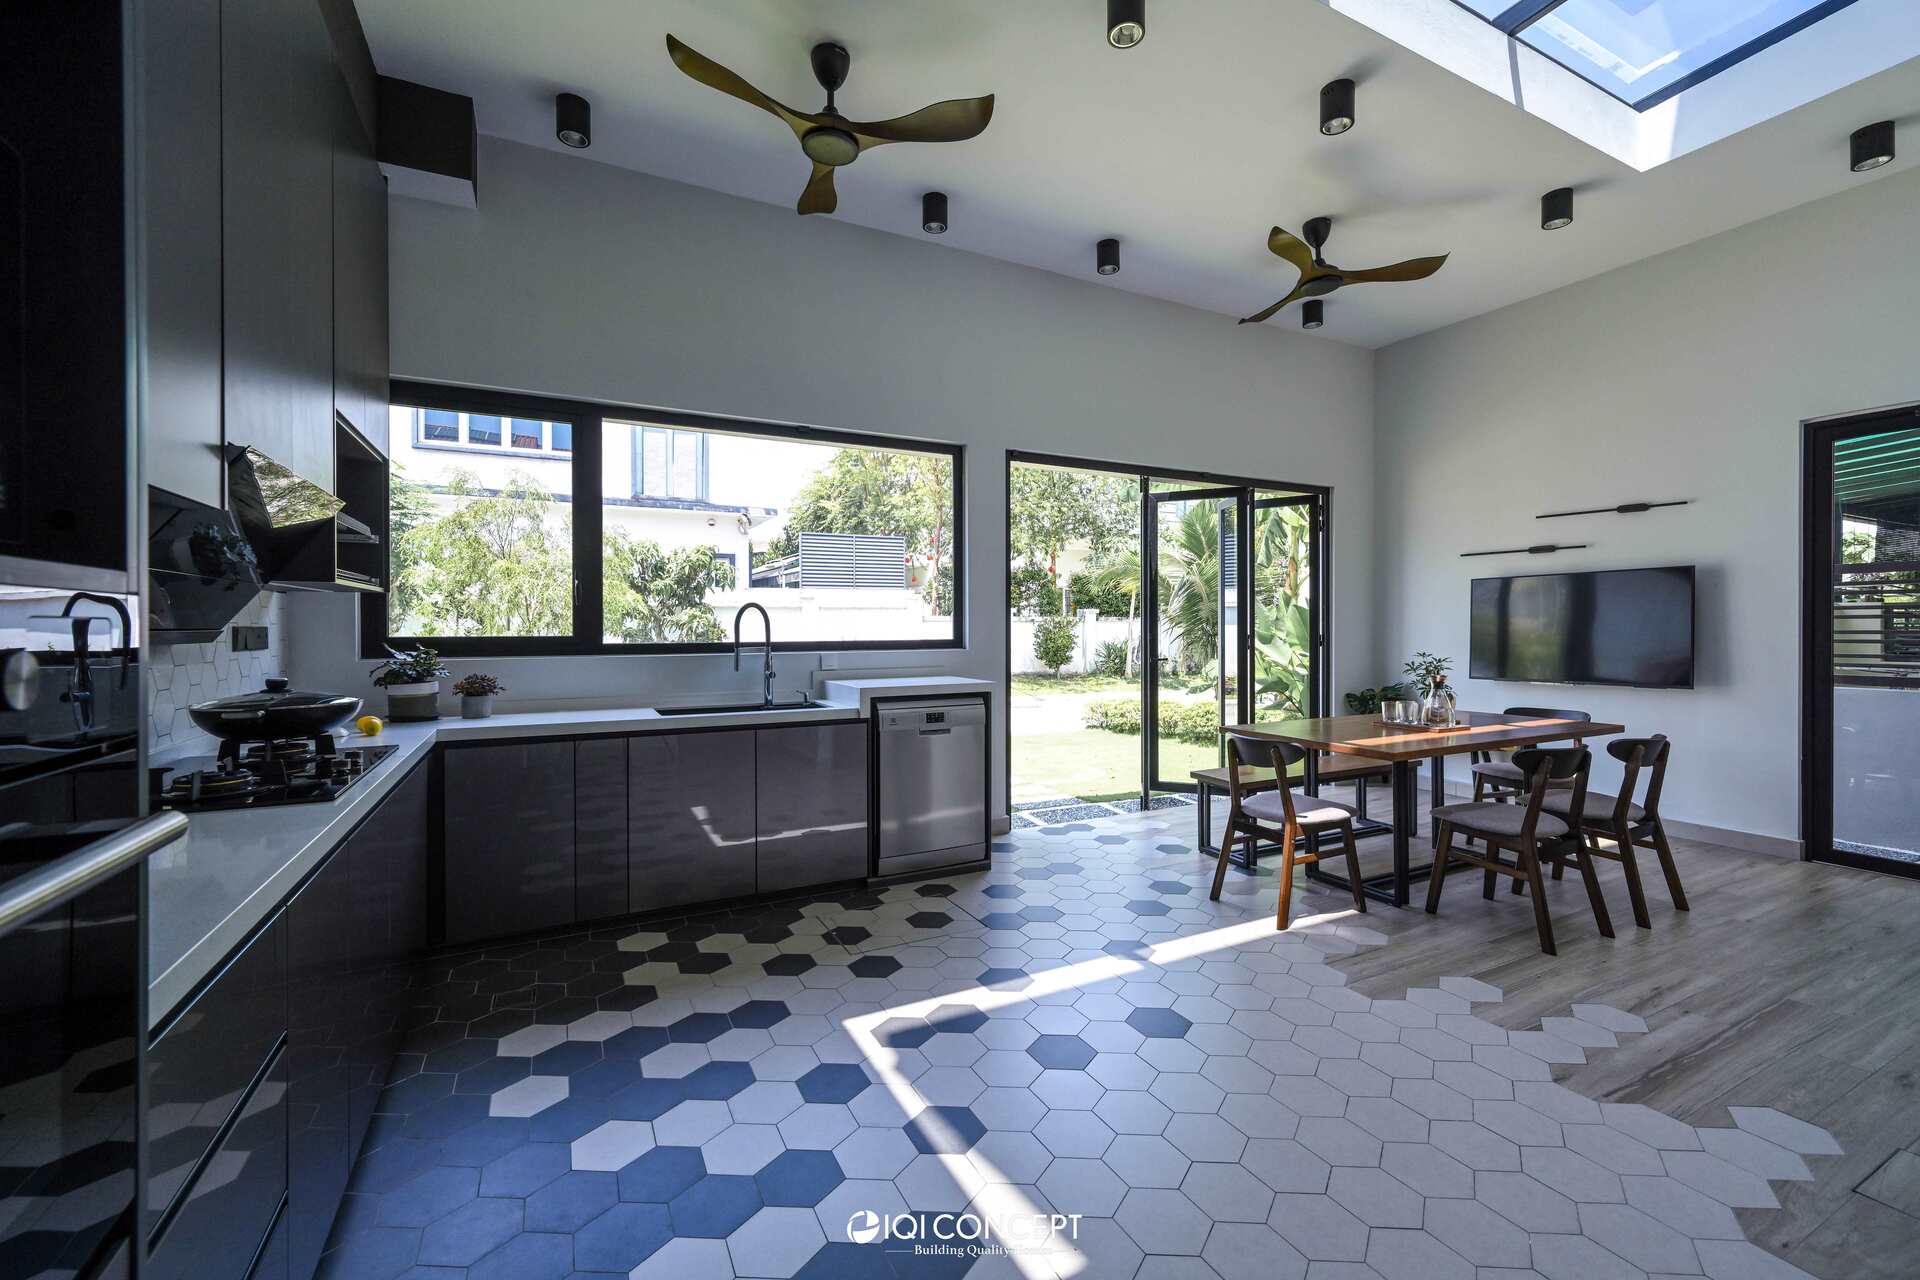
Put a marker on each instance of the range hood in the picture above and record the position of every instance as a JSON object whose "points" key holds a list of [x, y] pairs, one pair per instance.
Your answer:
{"points": [[201, 570], [302, 535]]}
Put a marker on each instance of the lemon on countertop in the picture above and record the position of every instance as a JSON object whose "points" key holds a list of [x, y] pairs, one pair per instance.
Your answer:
{"points": [[369, 725]]}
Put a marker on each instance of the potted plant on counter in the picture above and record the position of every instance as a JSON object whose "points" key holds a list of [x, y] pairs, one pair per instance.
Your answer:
{"points": [[412, 679], [476, 694]]}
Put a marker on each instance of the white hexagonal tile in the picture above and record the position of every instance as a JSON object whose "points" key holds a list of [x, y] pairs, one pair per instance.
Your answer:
{"points": [[691, 1123], [742, 1148], [613, 1145], [1783, 1130]]}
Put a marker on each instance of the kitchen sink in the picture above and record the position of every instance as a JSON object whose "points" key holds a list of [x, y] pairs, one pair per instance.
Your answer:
{"points": [[734, 708]]}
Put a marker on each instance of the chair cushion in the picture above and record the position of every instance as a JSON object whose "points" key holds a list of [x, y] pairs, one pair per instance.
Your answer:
{"points": [[1597, 810], [1498, 770], [1487, 818], [1310, 811]]}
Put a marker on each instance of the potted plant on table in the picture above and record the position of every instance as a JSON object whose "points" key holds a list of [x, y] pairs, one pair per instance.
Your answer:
{"points": [[412, 679], [1428, 672], [476, 694]]}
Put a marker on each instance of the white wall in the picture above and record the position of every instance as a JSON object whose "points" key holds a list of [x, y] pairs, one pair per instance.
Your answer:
{"points": [[1684, 376], [580, 279]]}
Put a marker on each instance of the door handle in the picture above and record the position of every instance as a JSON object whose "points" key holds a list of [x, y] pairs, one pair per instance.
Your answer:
{"points": [[28, 897]]}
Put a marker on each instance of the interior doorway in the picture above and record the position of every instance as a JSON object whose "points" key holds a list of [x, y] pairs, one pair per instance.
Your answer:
{"points": [[1172, 604], [1860, 797]]}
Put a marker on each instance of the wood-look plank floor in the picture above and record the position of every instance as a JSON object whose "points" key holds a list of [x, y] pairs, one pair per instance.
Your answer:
{"points": [[1790, 985]]}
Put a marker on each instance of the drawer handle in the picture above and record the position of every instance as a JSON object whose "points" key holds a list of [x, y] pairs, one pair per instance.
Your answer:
{"points": [[930, 733]]}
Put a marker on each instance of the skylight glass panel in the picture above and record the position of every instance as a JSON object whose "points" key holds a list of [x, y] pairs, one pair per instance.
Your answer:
{"points": [[1637, 49]]}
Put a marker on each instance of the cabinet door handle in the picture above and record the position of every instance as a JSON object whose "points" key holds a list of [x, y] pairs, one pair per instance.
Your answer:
{"points": [[32, 895]]}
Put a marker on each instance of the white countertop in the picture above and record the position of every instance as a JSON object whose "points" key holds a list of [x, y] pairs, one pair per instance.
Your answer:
{"points": [[210, 890]]}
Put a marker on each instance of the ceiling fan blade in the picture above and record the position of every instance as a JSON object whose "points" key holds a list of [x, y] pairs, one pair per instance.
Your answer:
{"points": [[1259, 316], [1283, 243], [819, 197], [954, 120], [1411, 269], [700, 67]]}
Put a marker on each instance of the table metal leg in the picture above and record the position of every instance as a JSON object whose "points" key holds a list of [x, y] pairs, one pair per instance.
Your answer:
{"points": [[1439, 764], [1203, 820]]}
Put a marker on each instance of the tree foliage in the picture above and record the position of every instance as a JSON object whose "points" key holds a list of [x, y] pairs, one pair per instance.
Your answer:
{"points": [[1049, 508], [1053, 642], [501, 564], [876, 491]]}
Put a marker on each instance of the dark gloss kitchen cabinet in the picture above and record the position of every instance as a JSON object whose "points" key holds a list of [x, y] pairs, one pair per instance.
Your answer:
{"points": [[279, 96], [811, 792], [599, 828], [509, 816], [690, 833], [359, 275]]}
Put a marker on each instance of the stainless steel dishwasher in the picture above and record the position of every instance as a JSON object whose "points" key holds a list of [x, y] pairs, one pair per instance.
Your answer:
{"points": [[933, 785]]}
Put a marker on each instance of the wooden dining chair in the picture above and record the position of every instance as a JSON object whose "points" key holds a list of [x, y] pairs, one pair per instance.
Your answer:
{"points": [[1528, 832], [1271, 814], [1494, 776], [1628, 823]]}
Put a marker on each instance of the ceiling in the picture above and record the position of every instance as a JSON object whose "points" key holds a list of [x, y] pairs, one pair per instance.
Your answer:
{"points": [[1187, 147]]}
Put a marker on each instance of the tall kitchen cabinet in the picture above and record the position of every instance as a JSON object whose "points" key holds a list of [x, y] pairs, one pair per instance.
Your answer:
{"points": [[279, 124], [360, 353], [509, 838]]}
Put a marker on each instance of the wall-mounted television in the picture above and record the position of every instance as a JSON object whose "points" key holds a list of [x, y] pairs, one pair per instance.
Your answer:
{"points": [[1619, 627]]}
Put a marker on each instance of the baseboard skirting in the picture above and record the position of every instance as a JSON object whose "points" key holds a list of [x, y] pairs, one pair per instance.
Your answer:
{"points": [[1001, 825], [1745, 841]]}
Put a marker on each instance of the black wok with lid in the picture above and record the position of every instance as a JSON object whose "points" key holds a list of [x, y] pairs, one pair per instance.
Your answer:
{"points": [[274, 712]]}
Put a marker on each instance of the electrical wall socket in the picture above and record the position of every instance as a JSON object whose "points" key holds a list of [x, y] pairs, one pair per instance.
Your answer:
{"points": [[249, 639]]}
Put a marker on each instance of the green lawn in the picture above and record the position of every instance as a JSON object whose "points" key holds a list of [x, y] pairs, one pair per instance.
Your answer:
{"points": [[1043, 685], [1093, 764]]}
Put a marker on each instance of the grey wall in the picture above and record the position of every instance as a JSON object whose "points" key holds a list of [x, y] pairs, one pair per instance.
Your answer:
{"points": [[1684, 376], [580, 279]]}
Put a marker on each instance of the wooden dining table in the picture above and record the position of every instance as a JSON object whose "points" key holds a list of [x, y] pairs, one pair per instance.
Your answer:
{"points": [[1403, 747]]}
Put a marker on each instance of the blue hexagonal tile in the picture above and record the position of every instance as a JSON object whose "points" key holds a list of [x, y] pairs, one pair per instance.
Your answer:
{"points": [[635, 1042], [472, 1231], [801, 1179], [572, 1201], [717, 1081], [833, 1082], [1047, 914], [904, 1033], [568, 1119], [1147, 907], [1131, 949], [429, 1197], [1002, 920], [601, 1079], [1164, 1024], [841, 1261], [699, 1028], [646, 1099], [525, 1171], [1170, 886], [715, 1206], [622, 1238], [957, 1018], [1061, 1053], [661, 1174], [1005, 979], [1002, 890], [565, 1059], [929, 919], [874, 967], [788, 966], [532, 1255], [945, 1131], [758, 1015]]}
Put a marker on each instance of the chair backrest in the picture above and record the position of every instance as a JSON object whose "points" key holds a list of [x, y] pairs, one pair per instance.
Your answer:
{"points": [[1648, 753], [1262, 753], [1542, 765], [1549, 713]]}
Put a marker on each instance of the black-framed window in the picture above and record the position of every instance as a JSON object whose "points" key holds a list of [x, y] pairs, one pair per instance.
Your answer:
{"points": [[527, 526]]}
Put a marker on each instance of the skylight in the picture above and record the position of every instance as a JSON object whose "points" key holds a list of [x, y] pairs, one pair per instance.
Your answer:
{"points": [[1645, 51]]}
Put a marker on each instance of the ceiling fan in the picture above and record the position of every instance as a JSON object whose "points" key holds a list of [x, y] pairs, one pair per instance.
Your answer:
{"points": [[1319, 278], [829, 138]]}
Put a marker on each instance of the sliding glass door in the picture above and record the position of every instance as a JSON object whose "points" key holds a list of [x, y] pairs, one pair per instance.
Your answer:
{"points": [[1861, 793], [1232, 618]]}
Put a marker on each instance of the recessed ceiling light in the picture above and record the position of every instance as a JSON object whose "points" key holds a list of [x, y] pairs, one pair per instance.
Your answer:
{"points": [[1336, 107], [1126, 23], [1556, 209], [933, 212], [1313, 313], [1872, 146], [573, 121], [1107, 256]]}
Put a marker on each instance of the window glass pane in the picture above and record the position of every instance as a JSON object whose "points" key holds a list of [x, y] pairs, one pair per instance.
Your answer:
{"points": [[526, 434], [652, 478], [1635, 48], [479, 546], [561, 433], [838, 543], [482, 430], [438, 424]]}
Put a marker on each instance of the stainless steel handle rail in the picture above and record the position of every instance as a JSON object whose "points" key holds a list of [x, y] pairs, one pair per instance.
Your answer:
{"points": [[28, 897]]}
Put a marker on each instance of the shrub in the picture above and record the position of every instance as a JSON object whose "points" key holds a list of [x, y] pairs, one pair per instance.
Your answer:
{"points": [[1053, 642], [1110, 659], [1367, 701], [1110, 600], [1194, 722]]}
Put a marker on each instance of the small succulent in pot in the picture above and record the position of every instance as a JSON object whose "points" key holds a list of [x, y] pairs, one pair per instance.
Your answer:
{"points": [[476, 694], [412, 679]]}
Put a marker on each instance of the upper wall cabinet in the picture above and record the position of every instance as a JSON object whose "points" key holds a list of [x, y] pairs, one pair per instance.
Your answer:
{"points": [[279, 115], [359, 275], [180, 230]]}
